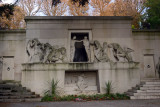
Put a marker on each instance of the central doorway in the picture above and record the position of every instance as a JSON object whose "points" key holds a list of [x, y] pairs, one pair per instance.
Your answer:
{"points": [[80, 49]]}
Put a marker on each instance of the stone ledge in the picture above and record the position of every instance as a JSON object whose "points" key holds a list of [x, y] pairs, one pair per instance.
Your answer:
{"points": [[13, 31], [145, 30], [79, 66], [78, 18]]}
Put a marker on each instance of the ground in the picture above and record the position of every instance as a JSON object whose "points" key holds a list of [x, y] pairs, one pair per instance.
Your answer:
{"points": [[108, 103]]}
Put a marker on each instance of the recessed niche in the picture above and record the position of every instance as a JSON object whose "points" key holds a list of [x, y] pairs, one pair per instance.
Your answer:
{"points": [[80, 47], [81, 82]]}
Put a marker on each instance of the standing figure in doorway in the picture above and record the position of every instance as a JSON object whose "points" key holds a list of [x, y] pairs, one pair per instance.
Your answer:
{"points": [[158, 67], [86, 46], [72, 48]]}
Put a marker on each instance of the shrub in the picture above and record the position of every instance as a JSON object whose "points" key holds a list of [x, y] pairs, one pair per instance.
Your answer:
{"points": [[109, 87]]}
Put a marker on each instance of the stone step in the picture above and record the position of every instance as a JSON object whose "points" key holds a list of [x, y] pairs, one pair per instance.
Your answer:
{"points": [[146, 93], [150, 79], [154, 91], [32, 100], [12, 100], [129, 93], [152, 83], [158, 80], [145, 97], [29, 96], [21, 100], [149, 88], [9, 97], [6, 87], [20, 96], [4, 91], [16, 93]]}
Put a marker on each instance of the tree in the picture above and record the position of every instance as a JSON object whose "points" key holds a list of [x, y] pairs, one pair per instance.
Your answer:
{"points": [[55, 2], [100, 7], [78, 7], [153, 13], [11, 16], [80, 2], [30, 7], [132, 8], [14, 20], [51, 8]]}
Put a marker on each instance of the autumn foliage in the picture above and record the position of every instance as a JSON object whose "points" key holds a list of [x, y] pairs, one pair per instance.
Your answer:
{"points": [[24, 8], [14, 21]]}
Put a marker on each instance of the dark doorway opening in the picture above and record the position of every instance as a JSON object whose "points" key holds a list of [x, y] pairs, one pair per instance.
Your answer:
{"points": [[79, 54]]}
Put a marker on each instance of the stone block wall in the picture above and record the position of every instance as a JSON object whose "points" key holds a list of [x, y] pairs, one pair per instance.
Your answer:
{"points": [[12, 51]]}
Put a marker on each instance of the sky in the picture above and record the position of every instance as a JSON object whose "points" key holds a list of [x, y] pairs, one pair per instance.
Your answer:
{"points": [[39, 13], [8, 1]]}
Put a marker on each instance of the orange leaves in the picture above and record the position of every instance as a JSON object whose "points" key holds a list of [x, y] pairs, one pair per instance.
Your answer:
{"points": [[57, 10], [76, 9], [100, 7], [15, 21]]}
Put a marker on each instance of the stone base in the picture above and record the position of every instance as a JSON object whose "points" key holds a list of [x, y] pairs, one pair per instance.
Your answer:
{"points": [[122, 75]]}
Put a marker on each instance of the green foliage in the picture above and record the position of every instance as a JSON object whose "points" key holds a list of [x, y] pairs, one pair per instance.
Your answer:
{"points": [[53, 89], [153, 13], [133, 27], [47, 98], [109, 87], [116, 96]]}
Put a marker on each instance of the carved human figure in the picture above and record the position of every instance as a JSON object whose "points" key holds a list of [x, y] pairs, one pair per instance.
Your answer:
{"points": [[62, 54], [158, 67], [118, 51], [47, 50], [34, 50], [73, 40], [81, 83], [100, 53], [105, 51], [57, 55], [86, 45]]}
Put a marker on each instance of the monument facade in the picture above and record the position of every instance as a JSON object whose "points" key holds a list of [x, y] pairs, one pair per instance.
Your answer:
{"points": [[82, 53]]}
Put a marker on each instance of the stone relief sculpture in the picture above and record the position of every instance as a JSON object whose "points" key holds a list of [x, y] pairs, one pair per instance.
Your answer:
{"points": [[39, 52], [72, 48], [100, 54], [86, 45], [81, 84], [158, 67], [31, 48], [118, 52]]}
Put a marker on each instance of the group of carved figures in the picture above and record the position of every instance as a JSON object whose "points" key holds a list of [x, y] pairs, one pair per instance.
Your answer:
{"points": [[101, 53], [80, 51], [40, 52]]}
